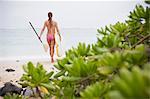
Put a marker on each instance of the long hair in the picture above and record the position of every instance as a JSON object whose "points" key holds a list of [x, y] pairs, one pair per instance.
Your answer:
{"points": [[50, 18]]}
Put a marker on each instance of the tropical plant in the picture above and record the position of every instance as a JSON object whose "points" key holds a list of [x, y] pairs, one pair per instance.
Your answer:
{"points": [[81, 51], [77, 76], [125, 86], [100, 65], [36, 78], [139, 26], [13, 96], [95, 91]]}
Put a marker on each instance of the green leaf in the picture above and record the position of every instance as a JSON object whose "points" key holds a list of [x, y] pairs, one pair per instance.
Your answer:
{"points": [[60, 74], [70, 79], [48, 86], [49, 74], [95, 91], [25, 68]]}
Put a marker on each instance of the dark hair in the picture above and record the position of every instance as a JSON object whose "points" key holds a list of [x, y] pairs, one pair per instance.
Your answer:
{"points": [[50, 18]]}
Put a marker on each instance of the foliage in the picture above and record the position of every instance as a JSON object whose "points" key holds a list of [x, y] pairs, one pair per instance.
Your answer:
{"points": [[88, 75], [95, 91], [139, 26], [122, 34], [125, 86], [36, 77], [13, 96], [77, 76]]}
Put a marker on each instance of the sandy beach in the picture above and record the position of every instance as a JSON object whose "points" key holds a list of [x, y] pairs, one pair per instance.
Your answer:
{"points": [[16, 65]]}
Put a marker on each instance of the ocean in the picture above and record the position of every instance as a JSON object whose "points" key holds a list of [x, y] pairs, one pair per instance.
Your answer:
{"points": [[23, 43]]}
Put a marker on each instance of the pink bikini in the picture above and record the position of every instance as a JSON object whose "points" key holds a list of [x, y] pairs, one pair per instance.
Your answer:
{"points": [[50, 37]]}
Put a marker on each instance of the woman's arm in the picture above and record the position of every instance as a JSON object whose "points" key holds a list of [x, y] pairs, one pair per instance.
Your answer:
{"points": [[58, 31], [43, 29]]}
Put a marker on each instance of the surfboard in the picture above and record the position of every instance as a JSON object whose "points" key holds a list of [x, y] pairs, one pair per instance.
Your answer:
{"points": [[59, 51]]}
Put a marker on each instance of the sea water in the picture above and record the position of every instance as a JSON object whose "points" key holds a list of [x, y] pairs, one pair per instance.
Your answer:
{"points": [[23, 43]]}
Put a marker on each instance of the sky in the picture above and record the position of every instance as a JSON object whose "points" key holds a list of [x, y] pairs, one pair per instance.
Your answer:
{"points": [[68, 14]]}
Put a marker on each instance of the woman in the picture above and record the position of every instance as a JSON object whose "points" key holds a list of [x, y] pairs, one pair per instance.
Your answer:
{"points": [[52, 28]]}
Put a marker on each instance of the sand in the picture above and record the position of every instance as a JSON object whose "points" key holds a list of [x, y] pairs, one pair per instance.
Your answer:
{"points": [[16, 65]]}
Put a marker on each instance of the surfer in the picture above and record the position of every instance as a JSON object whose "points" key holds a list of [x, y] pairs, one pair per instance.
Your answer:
{"points": [[52, 28]]}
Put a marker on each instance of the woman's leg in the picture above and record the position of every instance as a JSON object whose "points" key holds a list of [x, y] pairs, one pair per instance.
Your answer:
{"points": [[49, 43], [52, 50]]}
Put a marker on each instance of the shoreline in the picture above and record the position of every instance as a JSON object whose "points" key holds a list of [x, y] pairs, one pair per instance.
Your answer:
{"points": [[25, 58]]}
